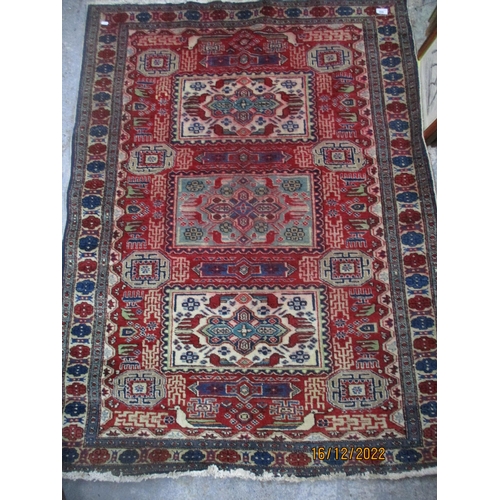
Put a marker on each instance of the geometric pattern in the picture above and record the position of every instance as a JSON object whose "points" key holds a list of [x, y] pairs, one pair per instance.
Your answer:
{"points": [[151, 159], [328, 58], [244, 107], [157, 62], [244, 269], [338, 156], [356, 389], [139, 388], [249, 269], [145, 270], [254, 331], [349, 268], [245, 211], [244, 390], [245, 49]]}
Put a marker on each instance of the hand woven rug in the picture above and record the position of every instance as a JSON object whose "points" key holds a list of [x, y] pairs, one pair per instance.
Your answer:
{"points": [[249, 279]]}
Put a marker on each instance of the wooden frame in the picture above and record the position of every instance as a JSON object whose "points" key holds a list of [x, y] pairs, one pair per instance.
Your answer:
{"points": [[427, 58]]}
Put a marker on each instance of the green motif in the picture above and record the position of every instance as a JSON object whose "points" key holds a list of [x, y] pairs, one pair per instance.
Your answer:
{"points": [[291, 185], [294, 234], [261, 226], [261, 190], [195, 186], [193, 234], [225, 227]]}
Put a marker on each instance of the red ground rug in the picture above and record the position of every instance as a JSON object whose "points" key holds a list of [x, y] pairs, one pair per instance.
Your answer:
{"points": [[249, 255]]}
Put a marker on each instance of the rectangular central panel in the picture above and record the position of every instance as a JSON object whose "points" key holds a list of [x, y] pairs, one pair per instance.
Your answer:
{"points": [[245, 330], [255, 107], [245, 211]]}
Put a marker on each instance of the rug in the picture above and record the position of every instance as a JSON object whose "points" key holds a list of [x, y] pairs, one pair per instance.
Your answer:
{"points": [[249, 254]]}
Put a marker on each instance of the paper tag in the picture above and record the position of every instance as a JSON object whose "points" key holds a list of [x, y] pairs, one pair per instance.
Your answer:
{"points": [[383, 11], [104, 23]]}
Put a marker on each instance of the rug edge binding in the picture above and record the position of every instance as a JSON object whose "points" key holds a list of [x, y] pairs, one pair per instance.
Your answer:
{"points": [[214, 472]]}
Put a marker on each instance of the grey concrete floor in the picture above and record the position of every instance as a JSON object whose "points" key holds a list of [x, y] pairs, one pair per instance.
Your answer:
{"points": [[193, 488], [187, 488]]}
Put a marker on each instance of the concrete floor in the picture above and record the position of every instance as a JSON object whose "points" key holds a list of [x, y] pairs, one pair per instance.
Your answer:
{"points": [[193, 488], [188, 488]]}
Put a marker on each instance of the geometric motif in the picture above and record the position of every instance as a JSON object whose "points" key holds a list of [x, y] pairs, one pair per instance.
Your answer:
{"points": [[345, 268], [243, 157], [343, 355], [203, 408], [327, 58], [244, 330], [244, 107], [245, 389], [139, 388], [340, 156], [365, 424], [245, 211], [356, 389], [155, 62], [287, 410], [145, 270], [314, 394], [248, 49], [142, 419], [243, 269], [151, 159]]}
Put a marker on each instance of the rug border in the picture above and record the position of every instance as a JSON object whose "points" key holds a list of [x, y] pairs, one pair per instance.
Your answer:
{"points": [[213, 471]]}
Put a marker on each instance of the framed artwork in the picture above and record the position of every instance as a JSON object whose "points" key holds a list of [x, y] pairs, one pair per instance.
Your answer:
{"points": [[427, 59]]}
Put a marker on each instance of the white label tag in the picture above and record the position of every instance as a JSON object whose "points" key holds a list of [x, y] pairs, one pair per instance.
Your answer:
{"points": [[383, 11], [104, 23]]}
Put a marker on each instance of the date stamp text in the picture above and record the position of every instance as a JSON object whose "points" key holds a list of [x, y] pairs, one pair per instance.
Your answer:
{"points": [[357, 453]]}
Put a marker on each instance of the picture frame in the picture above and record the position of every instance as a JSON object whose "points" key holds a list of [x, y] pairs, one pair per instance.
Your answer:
{"points": [[427, 66]]}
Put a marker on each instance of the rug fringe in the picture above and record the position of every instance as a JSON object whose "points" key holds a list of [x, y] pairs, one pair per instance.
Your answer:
{"points": [[214, 472]]}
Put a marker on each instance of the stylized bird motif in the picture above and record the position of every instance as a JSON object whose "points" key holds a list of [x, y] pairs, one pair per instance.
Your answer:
{"points": [[307, 424], [272, 361], [128, 314], [218, 361], [183, 422], [185, 331], [270, 235], [189, 338], [299, 338], [181, 419]]}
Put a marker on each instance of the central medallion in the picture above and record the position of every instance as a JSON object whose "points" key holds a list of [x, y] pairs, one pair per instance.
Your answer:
{"points": [[244, 105], [244, 330]]}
